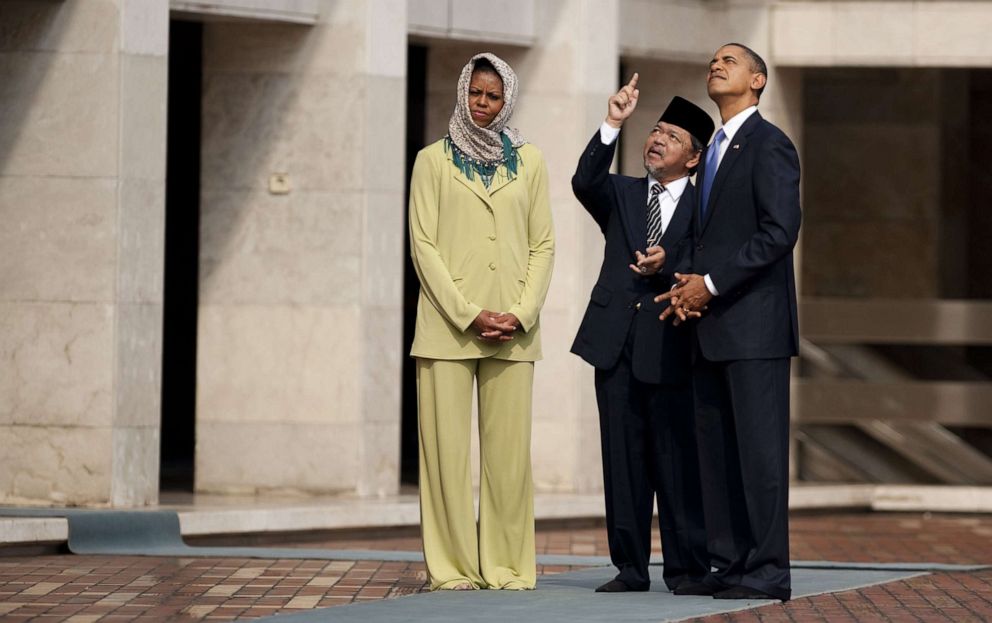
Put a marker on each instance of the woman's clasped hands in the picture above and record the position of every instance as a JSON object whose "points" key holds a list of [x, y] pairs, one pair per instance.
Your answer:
{"points": [[495, 326]]}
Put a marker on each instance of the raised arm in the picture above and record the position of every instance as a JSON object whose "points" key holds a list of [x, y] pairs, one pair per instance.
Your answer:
{"points": [[591, 180]]}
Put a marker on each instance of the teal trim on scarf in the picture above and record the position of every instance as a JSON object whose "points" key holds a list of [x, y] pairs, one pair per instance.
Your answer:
{"points": [[485, 170]]}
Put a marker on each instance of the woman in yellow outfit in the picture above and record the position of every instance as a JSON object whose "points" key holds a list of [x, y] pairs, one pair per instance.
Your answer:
{"points": [[482, 245]]}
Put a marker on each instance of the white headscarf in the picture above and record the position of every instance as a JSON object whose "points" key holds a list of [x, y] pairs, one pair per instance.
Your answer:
{"points": [[484, 144]]}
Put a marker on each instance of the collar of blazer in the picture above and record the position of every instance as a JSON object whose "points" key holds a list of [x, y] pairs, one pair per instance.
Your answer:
{"points": [[680, 219], [633, 214], [475, 184], [734, 150]]}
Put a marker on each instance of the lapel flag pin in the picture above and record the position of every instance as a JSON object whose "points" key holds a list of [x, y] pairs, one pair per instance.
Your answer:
{"points": [[737, 146]]}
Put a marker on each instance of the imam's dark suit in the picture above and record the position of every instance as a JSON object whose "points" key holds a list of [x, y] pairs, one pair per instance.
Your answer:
{"points": [[741, 368], [643, 380]]}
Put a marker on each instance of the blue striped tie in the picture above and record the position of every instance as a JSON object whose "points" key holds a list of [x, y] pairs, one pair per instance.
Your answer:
{"points": [[712, 162]]}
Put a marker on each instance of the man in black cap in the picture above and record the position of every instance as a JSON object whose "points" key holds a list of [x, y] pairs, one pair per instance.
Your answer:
{"points": [[643, 378]]}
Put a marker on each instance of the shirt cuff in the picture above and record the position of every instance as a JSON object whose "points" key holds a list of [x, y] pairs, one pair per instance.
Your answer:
{"points": [[710, 286], [608, 133]]}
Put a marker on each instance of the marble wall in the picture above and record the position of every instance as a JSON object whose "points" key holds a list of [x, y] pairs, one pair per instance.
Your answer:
{"points": [[82, 167], [881, 33], [501, 22], [299, 325]]}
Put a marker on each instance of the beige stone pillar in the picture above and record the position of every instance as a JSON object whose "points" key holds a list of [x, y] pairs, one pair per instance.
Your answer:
{"points": [[82, 168], [300, 294], [567, 77]]}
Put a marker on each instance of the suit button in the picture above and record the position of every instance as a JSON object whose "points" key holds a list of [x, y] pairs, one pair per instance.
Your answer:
{"points": [[492, 267], [699, 247], [492, 236]]}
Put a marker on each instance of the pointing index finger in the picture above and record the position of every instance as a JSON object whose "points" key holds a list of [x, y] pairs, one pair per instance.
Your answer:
{"points": [[633, 81]]}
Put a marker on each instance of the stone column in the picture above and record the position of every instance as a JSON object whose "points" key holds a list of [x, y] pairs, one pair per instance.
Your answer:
{"points": [[300, 293], [82, 169], [567, 77]]}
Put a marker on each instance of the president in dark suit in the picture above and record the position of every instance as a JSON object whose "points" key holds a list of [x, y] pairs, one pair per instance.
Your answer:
{"points": [[744, 229], [643, 379]]}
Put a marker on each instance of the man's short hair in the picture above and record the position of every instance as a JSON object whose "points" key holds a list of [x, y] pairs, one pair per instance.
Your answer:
{"points": [[758, 65], [697, 145]]}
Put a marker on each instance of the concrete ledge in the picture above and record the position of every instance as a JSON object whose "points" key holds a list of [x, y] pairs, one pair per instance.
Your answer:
{"points": [[512, 21], [292, 11], [932, 498], [211, 515], [33, 530], [880, 33], [337, 514], [812, 497], [289, 518]]}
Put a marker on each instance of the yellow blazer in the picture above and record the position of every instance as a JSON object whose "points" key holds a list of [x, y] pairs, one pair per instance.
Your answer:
{"points": [[476, 248]]}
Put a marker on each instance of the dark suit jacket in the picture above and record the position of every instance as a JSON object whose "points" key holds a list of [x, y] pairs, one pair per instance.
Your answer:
{"points": [[745, 245], [661, 352]]}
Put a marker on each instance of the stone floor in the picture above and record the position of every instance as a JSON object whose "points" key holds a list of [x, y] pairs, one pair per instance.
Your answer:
{"points": [[83, 589]]}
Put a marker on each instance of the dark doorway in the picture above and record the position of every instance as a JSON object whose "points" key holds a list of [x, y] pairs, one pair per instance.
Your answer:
{"points": [[416, 123], [182, 242], [977, 130]]}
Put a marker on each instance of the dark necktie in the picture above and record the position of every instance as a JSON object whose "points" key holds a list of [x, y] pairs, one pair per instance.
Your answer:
{"points": [[654, 215], [712, 162]]}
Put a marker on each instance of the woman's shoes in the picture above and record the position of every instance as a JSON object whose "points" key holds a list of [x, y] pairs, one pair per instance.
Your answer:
{"points": [[469, 586], [514, 586]]}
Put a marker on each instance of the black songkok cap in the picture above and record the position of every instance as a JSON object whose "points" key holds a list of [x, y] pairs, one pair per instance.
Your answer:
{"points": [[689, 117]]}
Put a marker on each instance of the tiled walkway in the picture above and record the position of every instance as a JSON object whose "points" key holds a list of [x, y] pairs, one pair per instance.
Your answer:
{"points": [[111, 588]]}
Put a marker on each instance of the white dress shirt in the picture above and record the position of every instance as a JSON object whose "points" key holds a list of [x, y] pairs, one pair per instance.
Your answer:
{"points": [[731, 127]]}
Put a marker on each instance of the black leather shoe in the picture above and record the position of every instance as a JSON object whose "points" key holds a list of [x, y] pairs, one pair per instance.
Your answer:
{"points": [[691, 587], [743, 592], [616, 586]]}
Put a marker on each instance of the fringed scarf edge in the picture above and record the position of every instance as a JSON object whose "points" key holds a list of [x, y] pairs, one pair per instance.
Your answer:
{"points": [[485, 170]]}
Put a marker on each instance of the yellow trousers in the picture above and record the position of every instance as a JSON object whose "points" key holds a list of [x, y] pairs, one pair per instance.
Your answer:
{"points": [[499, 552]]}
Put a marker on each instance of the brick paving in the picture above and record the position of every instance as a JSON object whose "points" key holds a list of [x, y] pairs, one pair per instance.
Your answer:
{"points": [[111, 588], [893, 537], [944, 597], [85, 589]]}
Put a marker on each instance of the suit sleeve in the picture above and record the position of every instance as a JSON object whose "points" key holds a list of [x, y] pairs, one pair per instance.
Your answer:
{"points": [[435, 279], [541, 248], [591, 182], [776, 195]]}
